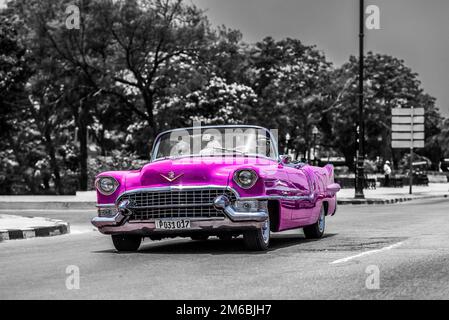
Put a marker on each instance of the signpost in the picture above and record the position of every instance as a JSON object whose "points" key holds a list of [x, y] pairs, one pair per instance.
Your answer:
{"points": [[408, 132]]}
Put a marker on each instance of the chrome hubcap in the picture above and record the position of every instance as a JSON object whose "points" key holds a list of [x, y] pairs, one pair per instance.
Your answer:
{"points": [[266, 231], [321, 221]]}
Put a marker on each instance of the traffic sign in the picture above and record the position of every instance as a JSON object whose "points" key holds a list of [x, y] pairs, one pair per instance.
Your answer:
{"points": [[408, 132], [407, 119], [399, 144], [407, 136], [407, 127], [407, 112]]}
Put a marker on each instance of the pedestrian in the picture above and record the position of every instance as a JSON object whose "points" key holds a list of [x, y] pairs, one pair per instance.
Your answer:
{"points": [[387, 173]]}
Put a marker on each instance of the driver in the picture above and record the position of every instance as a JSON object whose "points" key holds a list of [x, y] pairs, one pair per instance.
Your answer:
{"points": [[181, 148]]}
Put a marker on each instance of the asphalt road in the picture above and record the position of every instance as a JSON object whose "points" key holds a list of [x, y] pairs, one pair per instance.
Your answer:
{"points": [[406, 245]]}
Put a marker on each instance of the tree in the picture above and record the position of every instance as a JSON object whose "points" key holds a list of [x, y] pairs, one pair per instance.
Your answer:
{"points": [[15, 153], [289, 79], [443, 138], [124, 48], [388, 84]]}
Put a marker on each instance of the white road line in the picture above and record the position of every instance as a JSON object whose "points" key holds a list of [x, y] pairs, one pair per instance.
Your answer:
{"points": [[366, 253]]}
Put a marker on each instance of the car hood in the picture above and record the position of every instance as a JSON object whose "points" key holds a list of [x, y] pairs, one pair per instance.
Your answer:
{"points": [[190, 172]]}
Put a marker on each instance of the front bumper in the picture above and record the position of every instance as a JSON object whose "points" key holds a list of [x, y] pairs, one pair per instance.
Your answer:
{"points": [[234, 219], [212, 226]]}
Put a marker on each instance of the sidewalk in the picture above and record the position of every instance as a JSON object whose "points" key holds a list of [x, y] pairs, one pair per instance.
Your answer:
{"points": [[15, 227], [394, 195]]}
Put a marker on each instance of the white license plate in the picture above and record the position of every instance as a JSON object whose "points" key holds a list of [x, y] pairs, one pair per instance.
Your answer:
{"points": [[166, 224]]}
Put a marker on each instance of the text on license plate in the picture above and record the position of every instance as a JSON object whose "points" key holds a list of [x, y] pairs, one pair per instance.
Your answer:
{"points": [[172, 224]]}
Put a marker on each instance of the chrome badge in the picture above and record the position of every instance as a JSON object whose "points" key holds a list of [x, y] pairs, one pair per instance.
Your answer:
{"points": [[171, 176]]}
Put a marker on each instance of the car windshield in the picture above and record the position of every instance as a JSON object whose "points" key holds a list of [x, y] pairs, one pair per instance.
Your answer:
{"points": [[217, 141]]}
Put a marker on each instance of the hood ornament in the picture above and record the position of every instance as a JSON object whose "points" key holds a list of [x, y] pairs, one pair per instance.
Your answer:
{"points": [[171, 176]]}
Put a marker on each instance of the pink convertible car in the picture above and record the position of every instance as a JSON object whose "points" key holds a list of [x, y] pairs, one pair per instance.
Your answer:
{"points": [[222, 181]]}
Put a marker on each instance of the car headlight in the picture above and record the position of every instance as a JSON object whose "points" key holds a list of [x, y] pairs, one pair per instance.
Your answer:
{"points": [[106, 185], [245, 178]]}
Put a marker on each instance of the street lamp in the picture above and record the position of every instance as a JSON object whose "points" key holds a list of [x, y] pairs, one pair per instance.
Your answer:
{"points": [[360, 174]]}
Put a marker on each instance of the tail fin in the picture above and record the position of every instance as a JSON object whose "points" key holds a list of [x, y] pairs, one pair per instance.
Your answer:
{"points": [[330, 169]]}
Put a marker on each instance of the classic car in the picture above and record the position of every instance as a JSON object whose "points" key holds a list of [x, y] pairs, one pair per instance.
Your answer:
{"points": [[223, 181]]}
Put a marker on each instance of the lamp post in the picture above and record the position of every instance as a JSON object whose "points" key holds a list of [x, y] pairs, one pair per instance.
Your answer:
{"points": [[360, 174], [315, 132]]}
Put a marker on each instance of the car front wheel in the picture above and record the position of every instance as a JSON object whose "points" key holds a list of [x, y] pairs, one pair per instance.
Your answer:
{"points": [[316, 230], [258, 240], [126, 243]]}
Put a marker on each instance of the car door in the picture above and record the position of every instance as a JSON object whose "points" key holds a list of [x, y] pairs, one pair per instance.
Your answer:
{"points": [[303, 186]]}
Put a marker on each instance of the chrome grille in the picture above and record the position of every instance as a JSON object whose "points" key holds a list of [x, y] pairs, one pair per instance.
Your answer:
{"points": [[197, 203]]}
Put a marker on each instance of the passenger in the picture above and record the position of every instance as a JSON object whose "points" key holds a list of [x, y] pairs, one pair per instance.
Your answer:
{"points": [[181, 148]]}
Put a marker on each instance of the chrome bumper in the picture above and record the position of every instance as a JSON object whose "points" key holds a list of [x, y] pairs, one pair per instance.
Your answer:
{"points": [[233, 220], [149, 227], [223, 203]]}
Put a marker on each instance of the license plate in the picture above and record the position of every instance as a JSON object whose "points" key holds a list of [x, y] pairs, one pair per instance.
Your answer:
{"points": [[172, 224]]}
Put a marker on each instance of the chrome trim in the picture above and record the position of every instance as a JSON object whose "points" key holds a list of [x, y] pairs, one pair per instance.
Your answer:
{"points": [[245, 216], [176, 188], [124, 207], [171, 179], [236, 179], [101, 222], [191, 219], [105, 206], [223, 203], [97, 185], [295, 198], [162, 205], [148, 228], [168, 206], [310, 197]]}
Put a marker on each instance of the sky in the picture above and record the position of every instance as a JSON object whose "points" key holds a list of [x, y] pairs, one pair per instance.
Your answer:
{"points": [[413, 30]]}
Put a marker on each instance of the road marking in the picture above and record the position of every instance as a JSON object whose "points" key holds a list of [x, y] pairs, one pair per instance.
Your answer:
{"points": [[366, 253]]}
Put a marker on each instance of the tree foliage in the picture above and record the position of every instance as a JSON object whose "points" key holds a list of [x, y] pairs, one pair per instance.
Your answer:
{"points": [[389, 84]]}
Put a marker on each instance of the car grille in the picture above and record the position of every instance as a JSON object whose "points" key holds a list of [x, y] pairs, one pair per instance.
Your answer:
{"points": [[150, 205]]}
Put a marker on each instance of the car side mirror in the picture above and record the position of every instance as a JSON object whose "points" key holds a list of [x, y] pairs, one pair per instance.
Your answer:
{"points": [[285, 159]]}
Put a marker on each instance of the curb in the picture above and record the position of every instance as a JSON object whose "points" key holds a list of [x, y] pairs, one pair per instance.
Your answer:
{"points": [[60, 228], [386, 201]]}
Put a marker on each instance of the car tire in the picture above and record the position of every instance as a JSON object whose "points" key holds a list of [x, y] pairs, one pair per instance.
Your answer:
{"points": [[316, 230], [258, 240], [199, 238], [126, 243]]}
